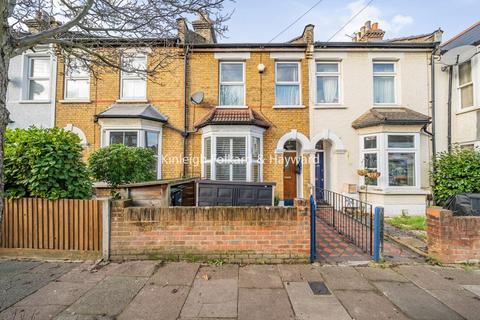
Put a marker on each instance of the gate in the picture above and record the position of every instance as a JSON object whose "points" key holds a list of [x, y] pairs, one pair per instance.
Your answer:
{"points": [[351, 218]]}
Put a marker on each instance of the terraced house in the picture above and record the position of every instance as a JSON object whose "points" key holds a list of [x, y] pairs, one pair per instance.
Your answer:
{"points": [[303, 114]]}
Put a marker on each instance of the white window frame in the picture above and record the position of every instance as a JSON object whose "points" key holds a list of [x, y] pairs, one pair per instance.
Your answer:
{"points": [[75, 77], [459, 88], [382, 151], [248, 155], [235, 83], [393, 74], [28, 78], [365, 151], [138, 75], [337, 74], [299, 83]]}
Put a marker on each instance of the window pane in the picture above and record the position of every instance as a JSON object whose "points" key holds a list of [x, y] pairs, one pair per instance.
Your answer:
{"points": [[75, 68], [77, 89], [133, 88], [465, 72], [401, 169], [231, 95], [39, 89], [384, 89], [370, 162], [255, 148], [239, 145], [130, 139], [327, 67], [208, 148], [370, 142], [467, 96], [40, 67], [383, 67], [287, 95], [151, 141], [231, 72], [222, 171], [135, 63], [116, 138], [395, 141], [327, 89], [208, 170], [223, 147], [239, 172], [255, 172], [287, 72]]}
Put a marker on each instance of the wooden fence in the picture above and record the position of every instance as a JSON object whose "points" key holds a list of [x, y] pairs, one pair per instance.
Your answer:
{"points": [[65, 224]]}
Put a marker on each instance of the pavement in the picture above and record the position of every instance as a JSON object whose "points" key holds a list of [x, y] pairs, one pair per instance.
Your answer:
{"points": [[188, 291]]}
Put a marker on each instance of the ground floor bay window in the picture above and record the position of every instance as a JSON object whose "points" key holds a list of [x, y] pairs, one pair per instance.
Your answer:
{"points": [[229, 156], [395, 156]]}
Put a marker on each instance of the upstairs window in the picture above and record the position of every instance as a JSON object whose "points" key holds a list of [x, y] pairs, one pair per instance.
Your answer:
{"points": [[465, 84], [38, 78], [133, 84], [287, 84], [384, 82], [232, 84], [328, 79], [77, 80]]}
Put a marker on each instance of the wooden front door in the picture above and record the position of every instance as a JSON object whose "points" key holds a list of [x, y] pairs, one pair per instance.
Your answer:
{"points": [[289, 177]]}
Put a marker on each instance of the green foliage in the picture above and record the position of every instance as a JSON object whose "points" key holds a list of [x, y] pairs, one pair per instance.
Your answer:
{"points": [[45, 163], [118, 164], [455, 173], [408, 222]]}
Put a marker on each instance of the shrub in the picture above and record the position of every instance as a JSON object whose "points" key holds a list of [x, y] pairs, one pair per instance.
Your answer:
{"points": [[118, 164], [45, 163], [455, 173]]}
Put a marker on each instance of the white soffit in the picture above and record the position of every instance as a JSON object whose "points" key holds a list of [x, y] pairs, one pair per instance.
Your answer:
{"points": [[232, 55], [287, 55]]}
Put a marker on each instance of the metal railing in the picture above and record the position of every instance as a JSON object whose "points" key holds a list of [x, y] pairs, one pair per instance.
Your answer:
{"points": [[350, 217]]}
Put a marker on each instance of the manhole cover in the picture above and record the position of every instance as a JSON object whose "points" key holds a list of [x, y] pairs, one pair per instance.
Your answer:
{"points": [[319, 288]]}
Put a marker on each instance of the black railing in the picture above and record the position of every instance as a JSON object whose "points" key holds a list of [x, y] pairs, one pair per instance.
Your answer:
{"points": [[350, 217]]}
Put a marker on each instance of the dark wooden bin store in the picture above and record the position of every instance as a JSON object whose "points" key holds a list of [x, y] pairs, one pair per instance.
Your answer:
{"points": [[222, 193]]}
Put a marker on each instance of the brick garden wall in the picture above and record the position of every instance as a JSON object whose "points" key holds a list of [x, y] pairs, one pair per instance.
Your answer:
{"points": [[234, 234], [453, 239]]}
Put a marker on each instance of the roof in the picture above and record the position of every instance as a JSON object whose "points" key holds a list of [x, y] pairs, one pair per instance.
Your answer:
{"points": [[142, 111], [377, 44], [233, 116], [389, 115], [470, 36]]}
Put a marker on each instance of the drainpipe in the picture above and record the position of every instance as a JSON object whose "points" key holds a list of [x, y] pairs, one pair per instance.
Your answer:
{"points": [[434, 147], [449, 111], [185, 109]]}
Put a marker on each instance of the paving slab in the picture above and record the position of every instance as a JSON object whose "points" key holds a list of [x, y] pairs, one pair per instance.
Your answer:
{"points": [[31, 312], [11, 267], [133, 269], [264, 304], [212, 298], [459, 276], [312, 307], [259, 276], [57, 293], [299, 272], [85, 272], [463, 302], [426, 278], [227, 271], [368, 305], [415, 302], [175, 274], [54, 269], [109, 297], [344, 278], [475, 289], [381, 274], [155, 302]]}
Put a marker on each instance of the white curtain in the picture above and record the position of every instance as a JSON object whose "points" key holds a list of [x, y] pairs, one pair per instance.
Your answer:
{"points": [[327, 89], [287, 95], [383, 89], [231, 95]]}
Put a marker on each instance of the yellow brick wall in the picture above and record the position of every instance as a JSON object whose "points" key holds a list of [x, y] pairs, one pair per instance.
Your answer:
{"points": [[165, 91]]}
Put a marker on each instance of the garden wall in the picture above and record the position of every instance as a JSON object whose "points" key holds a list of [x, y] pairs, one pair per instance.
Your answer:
{"points": [[233, 234], [453, 239]]}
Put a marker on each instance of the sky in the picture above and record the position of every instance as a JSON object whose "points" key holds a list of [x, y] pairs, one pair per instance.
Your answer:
{"points": [[261, 20]]}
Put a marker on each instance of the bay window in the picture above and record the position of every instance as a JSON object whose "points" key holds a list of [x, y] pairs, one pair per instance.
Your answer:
{"points": [[384, 82], [77, 80], [465, 84], [133, 85], [287, 84], [370, 158], [127, 138], [232, 84], [38, 78], [328, 82]]}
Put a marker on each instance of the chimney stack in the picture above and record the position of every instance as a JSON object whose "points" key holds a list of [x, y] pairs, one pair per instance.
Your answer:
{"points": [[369, 32], [204, 27], [42, 21]]}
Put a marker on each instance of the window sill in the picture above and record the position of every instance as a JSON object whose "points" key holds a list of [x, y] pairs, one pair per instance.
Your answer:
{"points": [[288, 107], [232, 107], [468, 109], [396, 191], [34, 101], [386, 104], [131, 101], [329, 106], [73, 101]]}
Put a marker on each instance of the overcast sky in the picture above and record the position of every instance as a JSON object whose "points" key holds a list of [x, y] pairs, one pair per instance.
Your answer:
{"points": [[261, 20]]}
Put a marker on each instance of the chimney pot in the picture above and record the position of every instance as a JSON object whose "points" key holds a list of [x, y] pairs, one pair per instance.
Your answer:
{"points": [[375, 26]]}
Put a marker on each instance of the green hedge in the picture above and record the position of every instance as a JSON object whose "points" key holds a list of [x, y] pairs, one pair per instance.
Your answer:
{"points": [[455, 173], [45, 163]]}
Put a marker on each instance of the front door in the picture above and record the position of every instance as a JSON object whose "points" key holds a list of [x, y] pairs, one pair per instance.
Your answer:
{"points": [[319, 175], [289, 177]]}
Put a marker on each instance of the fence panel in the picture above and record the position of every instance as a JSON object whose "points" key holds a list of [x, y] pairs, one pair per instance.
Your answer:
{"points": [[65, 224]]}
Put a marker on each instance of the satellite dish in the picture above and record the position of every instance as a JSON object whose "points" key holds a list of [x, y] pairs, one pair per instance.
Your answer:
{"points": [[197, 97], [458, 55]]}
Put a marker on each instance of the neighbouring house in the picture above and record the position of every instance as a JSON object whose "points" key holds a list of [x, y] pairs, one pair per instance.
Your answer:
{"points": [[370, 108], [460, 114]]}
